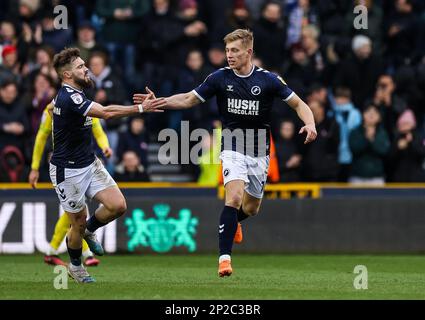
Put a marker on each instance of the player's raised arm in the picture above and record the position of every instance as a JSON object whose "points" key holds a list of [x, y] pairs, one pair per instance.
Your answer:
{"points": [[305, 114], [177, 101], [116, 111]]}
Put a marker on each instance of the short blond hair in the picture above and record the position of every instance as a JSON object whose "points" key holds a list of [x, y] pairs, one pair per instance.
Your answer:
{"points": [[240, 34]]}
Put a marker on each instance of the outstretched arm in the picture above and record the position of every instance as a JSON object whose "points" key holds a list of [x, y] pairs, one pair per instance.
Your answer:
{"points": [[177, 101], [117, 111], [182, 101], [305, 114]]}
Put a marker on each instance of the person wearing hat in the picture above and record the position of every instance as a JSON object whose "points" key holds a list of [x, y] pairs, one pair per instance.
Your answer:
{"points": [[10, 67], [9, 55], [360, 71]]}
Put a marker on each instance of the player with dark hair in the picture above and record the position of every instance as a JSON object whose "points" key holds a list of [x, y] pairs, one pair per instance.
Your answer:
{"points": [[74, 170], [62, 225], [244, 96]]}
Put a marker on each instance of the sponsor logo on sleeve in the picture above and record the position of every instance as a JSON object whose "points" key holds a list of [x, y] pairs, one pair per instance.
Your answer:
{"points": [[77, 98]]}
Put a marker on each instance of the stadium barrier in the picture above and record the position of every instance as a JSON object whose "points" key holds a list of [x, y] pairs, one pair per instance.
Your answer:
{"points": [[168, 219]]}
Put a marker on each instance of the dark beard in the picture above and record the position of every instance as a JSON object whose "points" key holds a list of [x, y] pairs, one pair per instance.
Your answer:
{"points": [[83, 84]]}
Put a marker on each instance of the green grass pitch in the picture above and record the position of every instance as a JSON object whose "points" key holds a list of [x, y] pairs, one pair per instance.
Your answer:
{"points": [[195, 277]]}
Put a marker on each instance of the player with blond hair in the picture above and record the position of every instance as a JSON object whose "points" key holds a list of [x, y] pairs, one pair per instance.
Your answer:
{"points": [[245, 94]]}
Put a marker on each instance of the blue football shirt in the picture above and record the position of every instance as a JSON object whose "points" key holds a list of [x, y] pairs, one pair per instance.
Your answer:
{"points": [[245, 103], [72, 129]]}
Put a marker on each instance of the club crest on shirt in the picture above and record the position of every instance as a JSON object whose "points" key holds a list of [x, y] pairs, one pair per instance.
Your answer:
{"points": [[255, 90], [77, 98]]}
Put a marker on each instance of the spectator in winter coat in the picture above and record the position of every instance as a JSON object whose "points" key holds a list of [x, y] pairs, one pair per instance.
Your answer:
{"points": [[407, 151], [369, 144]]}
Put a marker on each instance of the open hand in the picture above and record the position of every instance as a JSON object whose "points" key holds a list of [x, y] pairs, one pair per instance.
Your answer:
{"points": [[153, 105], [139, 98], [107, 152], [311, 132], [33, 178]]}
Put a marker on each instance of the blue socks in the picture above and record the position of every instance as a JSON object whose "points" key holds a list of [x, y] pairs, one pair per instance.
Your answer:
{"points": [[242, 215], [227, 229], [93, 224], [74, 254]]}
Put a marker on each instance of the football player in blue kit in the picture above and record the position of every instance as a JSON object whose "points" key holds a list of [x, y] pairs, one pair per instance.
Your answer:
{"points": [[245, 94], [75, 171]]}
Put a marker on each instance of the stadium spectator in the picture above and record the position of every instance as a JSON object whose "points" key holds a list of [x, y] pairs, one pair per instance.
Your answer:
{"points": [[410, 85], [130, 169], [369, 144], [134, 139], [13, 120], [39, 96], [216, 56], [318, 92], [402, 36], [238, 17], [108, 86], [26, 10], [195, 30], [43, 63], [120, 32], [57, 38], [194, 72], [269, 35], [332, 15], [325, 148], [389, 103], [288, 153], [360, 71], [299, 70], [86, 40], [375, 21], [12, 165], [158, 62], [108, 89], [348, 118], [311, 45], [299, 17], [407, 151], [8, 34], [213, 14], [10, 68]]}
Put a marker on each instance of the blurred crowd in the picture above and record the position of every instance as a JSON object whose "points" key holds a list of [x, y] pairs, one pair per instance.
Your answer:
{"points": [[365, 86]]}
